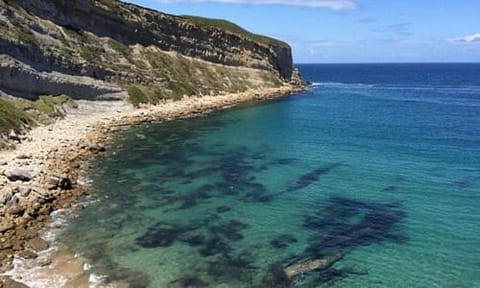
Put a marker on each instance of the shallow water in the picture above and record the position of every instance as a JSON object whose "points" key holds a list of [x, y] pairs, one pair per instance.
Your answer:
{"points": [[375, 167]]}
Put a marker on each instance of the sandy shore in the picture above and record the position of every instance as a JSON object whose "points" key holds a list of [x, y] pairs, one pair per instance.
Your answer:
{"points": [[47, 172]]}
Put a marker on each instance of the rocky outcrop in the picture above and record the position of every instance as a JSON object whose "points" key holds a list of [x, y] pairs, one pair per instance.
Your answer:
{"points": [[212, 40], [90, 48], [19, 79]]}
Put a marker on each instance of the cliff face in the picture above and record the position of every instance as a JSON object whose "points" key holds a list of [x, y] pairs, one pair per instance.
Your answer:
{"points": [[60, 46]]}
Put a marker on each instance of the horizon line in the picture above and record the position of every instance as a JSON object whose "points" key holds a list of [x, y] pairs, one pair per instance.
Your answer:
{"points": [[380, 63]]}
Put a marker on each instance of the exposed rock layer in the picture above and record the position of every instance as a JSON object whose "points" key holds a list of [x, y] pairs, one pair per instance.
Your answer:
{"points": [[56, 46]]}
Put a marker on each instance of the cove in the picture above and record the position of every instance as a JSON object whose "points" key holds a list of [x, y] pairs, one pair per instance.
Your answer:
{"points": [[332, 187]]}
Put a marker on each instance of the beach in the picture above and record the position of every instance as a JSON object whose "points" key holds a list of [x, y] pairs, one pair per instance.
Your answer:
{"points": [[48, 171]]}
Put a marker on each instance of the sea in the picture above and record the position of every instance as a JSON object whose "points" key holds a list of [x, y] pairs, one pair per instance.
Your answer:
{"points": [[369, 178]]}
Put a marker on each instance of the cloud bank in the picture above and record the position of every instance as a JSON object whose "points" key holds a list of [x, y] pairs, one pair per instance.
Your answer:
{"points": [[467, 39], [328, 4]]}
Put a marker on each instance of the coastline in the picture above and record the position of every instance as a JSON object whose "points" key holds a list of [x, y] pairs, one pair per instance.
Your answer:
{"points": [[54, 161]]}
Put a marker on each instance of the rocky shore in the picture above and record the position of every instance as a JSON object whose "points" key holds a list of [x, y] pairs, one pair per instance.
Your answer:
{"points": [[47, 170]]}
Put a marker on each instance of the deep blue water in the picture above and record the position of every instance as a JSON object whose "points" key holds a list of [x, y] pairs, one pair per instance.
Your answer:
{"points": [[374, 172]]}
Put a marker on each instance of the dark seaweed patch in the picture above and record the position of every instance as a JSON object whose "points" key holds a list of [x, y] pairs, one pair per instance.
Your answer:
{"points": [[188, 282], [223, 209], [282, 241], [230, 230], [310, 178], [160, 235], [228, 268], [343, 224], [390, 188], [215, 245], [276, 277]]}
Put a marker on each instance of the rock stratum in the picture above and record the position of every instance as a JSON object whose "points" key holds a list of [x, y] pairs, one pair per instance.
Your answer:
{"points": [[98, 49]]}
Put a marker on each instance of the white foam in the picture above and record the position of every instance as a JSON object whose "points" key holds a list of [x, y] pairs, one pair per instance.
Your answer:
{"points": [[96, 279]]}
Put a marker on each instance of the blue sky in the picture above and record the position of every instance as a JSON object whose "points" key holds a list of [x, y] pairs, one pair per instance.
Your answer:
{"points": [[351, 31]]}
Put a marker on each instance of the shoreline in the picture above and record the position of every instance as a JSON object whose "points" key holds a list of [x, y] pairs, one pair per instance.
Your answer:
{"points": [[47, 172]]}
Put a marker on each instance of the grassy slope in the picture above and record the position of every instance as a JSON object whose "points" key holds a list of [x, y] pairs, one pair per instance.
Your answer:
{"points": [[18, 113]]}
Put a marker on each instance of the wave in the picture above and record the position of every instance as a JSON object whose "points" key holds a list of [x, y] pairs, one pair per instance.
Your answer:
{"points": [[341, 85]]}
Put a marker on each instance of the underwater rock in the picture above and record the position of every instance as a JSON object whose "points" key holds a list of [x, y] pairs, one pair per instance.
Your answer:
{"points": [[311, 177], [215, 245], [188, 282], [390, 188], [303, 266], [227, 268], [282, 241], [193, 238], [230, 230], [223, 209], [160, 235], [276, 277]]}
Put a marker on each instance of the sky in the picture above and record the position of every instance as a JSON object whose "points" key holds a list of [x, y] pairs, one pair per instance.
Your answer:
{"points": [[352, 31]]}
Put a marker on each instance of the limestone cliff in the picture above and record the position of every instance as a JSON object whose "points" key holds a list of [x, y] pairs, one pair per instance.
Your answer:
{"points": [[99, 48]]}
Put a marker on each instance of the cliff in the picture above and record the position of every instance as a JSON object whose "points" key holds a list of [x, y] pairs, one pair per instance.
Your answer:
{"points": [[91, 49]]}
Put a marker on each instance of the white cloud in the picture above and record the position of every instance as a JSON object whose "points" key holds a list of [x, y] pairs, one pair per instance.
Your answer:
{"points": [[329, 4], [467, 39]]}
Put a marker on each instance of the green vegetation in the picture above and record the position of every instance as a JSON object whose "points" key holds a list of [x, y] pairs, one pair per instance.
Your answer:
{"points": [[17, 113], [12, 117], [87, 54], [136, 96], [234, 28], [119, 47], [181, 88], [23, 33], [145, 95]]}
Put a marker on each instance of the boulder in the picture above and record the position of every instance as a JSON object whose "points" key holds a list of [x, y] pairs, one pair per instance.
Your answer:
{"points": [[27, 254], [308, 265], [18, 174], [13, 136], [24, 156], [61, 181], [6, 224], [7, 282], [38, 244], [5, 196]]}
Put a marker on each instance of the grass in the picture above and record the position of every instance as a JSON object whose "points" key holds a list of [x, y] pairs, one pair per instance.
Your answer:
{"points": [[12, 117], [146, 95], [136, 96], [119, 47], [16, 114], [87, 54]]}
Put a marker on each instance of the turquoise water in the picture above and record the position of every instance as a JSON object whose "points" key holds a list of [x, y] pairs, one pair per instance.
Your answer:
{"points": [[376, 167]]}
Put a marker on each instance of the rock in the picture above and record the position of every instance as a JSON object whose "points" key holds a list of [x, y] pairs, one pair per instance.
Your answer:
{"points": [[27, 254], [96, 148], [308, 265], [14, 208], [7, 282], [24, 156], [5, 196], [6, 224], [13, 136], [38, 244], [18, 174], [59, 181]]}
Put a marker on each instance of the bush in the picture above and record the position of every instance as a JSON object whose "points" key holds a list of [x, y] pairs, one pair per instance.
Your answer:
{"points": [[12, 117], [136, 96]]}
